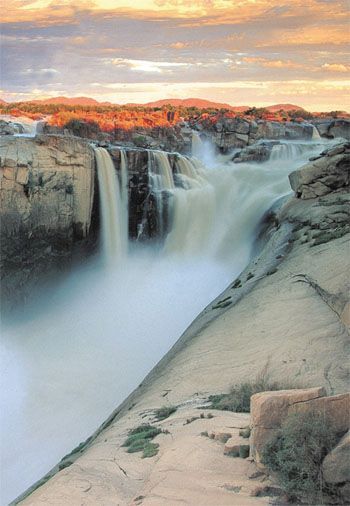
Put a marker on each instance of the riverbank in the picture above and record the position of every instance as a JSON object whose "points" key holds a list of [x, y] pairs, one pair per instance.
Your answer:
{"points": [[287, 312]]}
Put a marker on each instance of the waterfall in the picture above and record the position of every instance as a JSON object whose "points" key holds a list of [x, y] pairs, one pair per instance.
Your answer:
{"points": [[315, 134], [192, 210], [290, 150], [124, 196], [197, 144], [162, 182], [114, 238], [185, 202]]}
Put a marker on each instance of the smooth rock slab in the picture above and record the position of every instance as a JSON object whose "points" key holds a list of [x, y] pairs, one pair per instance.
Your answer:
{"points": [[336, 465]]}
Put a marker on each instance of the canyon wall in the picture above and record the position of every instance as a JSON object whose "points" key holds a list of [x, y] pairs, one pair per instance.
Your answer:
{"points": [[47, 186]]}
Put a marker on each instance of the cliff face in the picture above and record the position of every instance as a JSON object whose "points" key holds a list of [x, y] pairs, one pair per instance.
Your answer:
{"points": [[47, 186], [229, 133]]}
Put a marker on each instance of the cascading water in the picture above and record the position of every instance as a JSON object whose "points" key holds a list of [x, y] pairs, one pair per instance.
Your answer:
{"points": [[192, 210], [113, 207], [197, 145], [161, 181], [90, 341], [292, 150], [124, 196], [315, 134]]}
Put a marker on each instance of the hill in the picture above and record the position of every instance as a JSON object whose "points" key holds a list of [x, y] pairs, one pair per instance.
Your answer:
{"points": [[283, 107], [195, 102], [68, 101]]}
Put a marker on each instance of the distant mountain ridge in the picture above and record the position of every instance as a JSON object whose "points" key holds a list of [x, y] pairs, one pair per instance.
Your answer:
{"points": [[175, 102], [195, 102]]}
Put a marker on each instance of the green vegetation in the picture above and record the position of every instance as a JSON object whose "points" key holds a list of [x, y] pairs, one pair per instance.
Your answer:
{"points": [[139, 140], [244, 451], [238, 398], [245, 433], [139, 440], [234, 454], [150, 450], [237, 283], [164, 412], [223, 303], [295, 455]]}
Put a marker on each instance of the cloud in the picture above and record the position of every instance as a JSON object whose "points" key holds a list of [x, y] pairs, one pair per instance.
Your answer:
{"points": [[273, 64], [144, 65], [174, 45], [336, 67]]}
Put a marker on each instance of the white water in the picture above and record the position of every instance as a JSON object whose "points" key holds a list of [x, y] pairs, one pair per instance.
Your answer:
{"points": [[124, 197], [113, 208], [31, 127], [292, 150], [88, 342]]}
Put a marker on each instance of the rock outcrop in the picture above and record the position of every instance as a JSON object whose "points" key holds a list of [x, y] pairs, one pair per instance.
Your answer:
{"points": [[10, 128], [256, 153], [229, 133], [47, 187], [336, 465], [333, 128], [270, 409], [324, 175]]}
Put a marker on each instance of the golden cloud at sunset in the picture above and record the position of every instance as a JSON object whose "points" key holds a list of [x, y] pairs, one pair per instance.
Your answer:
{"points": [[178, 47]]}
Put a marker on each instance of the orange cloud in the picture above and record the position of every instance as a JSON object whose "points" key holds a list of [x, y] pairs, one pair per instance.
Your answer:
{"points": [[336, 67], [277, 64]]}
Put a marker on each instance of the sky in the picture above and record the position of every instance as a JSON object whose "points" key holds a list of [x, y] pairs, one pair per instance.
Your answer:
{"points": [[242, 52]]}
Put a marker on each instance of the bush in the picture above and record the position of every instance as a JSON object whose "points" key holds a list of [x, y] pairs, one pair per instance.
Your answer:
{"points": [[296, 453], [150, 450], [139, 439], [245, 433], [238, 398], [163, 412]]}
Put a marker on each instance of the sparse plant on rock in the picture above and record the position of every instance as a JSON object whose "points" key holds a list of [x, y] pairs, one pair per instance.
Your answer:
{"points": [[295, 455], [238, 398], [139, 440], [164, 412]]}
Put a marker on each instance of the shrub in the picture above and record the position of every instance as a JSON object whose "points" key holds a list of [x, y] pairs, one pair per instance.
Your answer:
{"points": [[150, 450], [139, 439], [148, 433], [165, 411], [238, 398], [244, 451], [245, 433], [295, 454]]}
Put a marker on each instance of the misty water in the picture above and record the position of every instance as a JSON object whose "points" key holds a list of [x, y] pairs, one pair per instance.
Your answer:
{"points": [[89, 341]]}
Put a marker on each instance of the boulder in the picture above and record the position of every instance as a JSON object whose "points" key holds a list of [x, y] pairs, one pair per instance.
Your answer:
{"points": [[335, 409], [10, 128], [287, 130], [270, 409], [234, 445], [237, 125], [322, 176], [255, 153], [336, 465], [339, 128]]}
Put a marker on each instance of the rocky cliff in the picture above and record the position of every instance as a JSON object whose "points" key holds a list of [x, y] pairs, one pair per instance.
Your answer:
{"points": [[47, 187]]}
